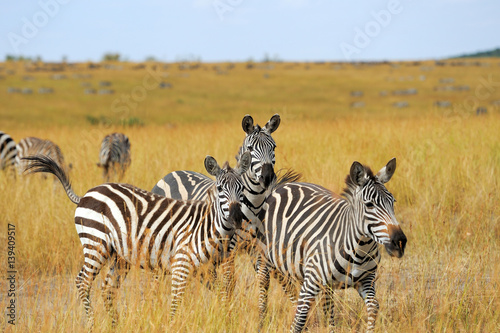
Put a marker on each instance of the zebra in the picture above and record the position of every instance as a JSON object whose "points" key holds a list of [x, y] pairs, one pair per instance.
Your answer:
{"points": [[8, 151], [115, 149], [35, 146], [325, 241], [192, 185], [124, 225]]}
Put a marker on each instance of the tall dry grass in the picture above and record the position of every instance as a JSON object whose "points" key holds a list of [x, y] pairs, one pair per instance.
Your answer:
{"points": [[446, 185]]}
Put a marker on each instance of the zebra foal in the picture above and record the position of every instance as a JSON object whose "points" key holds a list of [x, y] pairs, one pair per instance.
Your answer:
{"points": [[325, 241], [124, 225], [114, 155]]}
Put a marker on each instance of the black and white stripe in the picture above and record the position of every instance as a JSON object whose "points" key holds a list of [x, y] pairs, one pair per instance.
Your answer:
{"points": [[192, 185], [114, 155], [8, 151], [124, 225], [31, 146], [325, 241]]}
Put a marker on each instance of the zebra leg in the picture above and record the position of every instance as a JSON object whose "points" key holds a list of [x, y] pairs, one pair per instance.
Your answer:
{"points": [[309, 290], [105, 172], [263, 278], [181, 269], [328, 309], [366, 290], [83, 282], [209, 277], [117, 273], [228, 271], [287, 286], [121, 171], [228, 279]]}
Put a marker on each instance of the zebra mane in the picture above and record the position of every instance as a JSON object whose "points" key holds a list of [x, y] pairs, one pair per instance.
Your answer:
{"points": [[348, 191], [226, 166], [283, 177]]}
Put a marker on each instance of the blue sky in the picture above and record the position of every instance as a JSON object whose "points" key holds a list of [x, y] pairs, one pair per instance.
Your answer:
{"points": [[238, 30]]}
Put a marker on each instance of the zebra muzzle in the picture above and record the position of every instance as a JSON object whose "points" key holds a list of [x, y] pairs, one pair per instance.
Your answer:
{"points": [[236, 215], [268, 175], [397, 244]]}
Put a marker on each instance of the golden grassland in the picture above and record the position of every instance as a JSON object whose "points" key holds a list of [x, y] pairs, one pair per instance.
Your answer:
{"points": [[446, 185]]}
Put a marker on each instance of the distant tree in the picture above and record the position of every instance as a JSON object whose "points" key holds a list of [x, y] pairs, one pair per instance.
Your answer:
{"points": [[10, 57], [268, 58], [111, 57], [23, 59], [151, 59]]}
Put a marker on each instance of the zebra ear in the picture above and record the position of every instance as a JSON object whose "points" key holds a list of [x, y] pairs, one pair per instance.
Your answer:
{"points": [[247, 124], [273, 124], [211, 165], [358, 174], [385, 174], [244, 163]]}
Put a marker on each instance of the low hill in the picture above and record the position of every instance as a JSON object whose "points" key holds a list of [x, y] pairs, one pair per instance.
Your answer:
{"points": [[484, 54]]}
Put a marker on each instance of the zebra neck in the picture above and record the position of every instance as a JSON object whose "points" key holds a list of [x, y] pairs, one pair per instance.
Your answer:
{"points": [[220, 227], [254, 194], [355, 208], [212, 230], [357, 242]]}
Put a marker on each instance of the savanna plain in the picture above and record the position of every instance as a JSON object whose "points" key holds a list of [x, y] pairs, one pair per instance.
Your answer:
{"points": [[446, 183]]}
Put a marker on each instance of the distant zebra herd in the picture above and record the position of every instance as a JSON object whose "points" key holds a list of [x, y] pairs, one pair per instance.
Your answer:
{"points": [[301, 233], [114, 155]]}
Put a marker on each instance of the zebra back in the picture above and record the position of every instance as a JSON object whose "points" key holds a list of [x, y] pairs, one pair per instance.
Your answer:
{"points": [[115, 148], [8, 151], [184, 185]]}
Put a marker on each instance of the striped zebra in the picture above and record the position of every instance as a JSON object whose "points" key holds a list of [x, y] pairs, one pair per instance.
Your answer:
{"points": [[8, 151], [31, 146], [325, 241], [124, 225], [114, 155], [192, 185]]}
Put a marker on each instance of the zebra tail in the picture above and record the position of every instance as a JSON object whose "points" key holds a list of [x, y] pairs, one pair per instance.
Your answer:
{"points": [[42, 163]]}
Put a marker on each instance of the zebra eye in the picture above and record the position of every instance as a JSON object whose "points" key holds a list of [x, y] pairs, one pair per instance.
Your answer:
{"points": [[219, 188], [250, 148], [369, 204]]}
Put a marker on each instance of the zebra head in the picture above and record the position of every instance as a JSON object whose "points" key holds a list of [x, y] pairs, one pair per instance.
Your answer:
{"points": [[374, 207], [261, 145], [228, 192]]}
